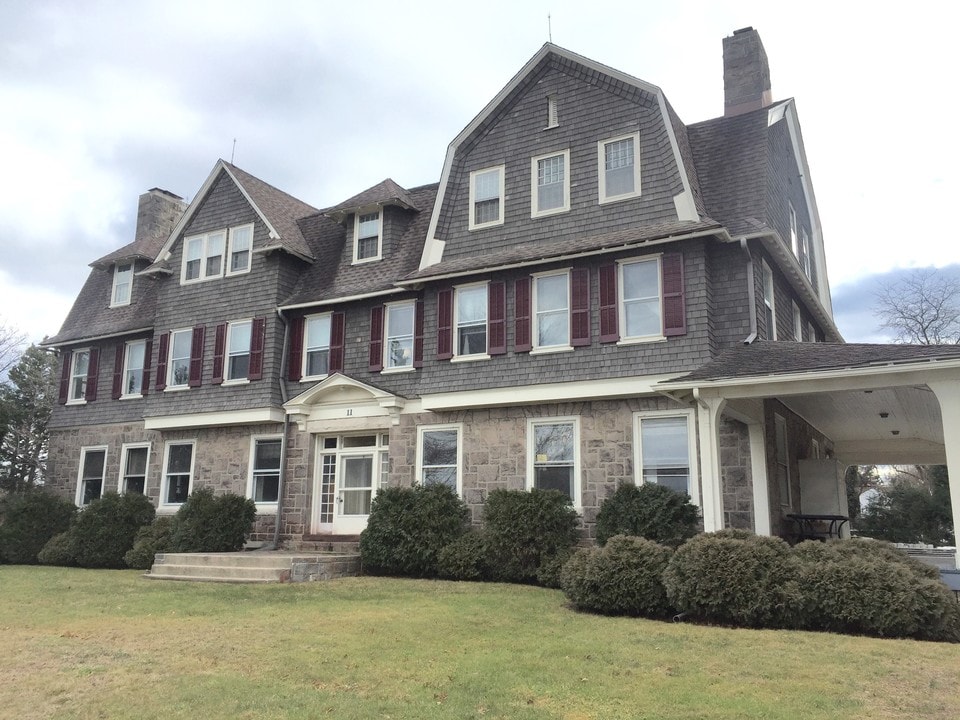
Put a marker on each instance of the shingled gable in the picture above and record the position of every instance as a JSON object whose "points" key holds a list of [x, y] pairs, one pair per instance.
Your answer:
{"points": [[685, 202], [383, 193]]}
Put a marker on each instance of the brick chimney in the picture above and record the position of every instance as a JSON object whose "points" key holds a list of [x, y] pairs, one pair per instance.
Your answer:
{"points": [[157, 213], [746, 74]]}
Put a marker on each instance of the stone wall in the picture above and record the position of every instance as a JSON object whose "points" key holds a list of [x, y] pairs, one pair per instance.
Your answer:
{"points": [[736, 477]]}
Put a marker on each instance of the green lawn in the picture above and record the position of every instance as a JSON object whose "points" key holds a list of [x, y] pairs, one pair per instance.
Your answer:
{"points": [[110, 644]]}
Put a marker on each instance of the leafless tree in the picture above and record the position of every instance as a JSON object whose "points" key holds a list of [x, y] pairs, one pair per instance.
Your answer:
{"points": [[11, 345], [922, 309]]}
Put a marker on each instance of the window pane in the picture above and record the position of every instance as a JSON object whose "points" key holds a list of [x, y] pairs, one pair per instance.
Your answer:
{"points": [[664, 442], [368, 247], [137, 461], [240, 248], [318, 332], [554, 477], [472, 340], [318, 362], [369, 225], [441, 476], [399, 320], [81, 362], [472, 304], [553, 443], [135, 355], [552, 292], [238, 367], [194, 249], [641, 280], [357, 472], [239, 338], [486, 186], [359, 441], [440, 447], [266, 488], [618, 158], [553, 329], [550, 172], [181, 344], [134, 485], [178, 460], [93, 464], [267, 455], [642, 318]]}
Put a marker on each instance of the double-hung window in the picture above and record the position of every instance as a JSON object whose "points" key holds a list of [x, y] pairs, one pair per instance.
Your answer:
{"points": [[486, 197], [134, 361], [93, 466], [640, 298], [398, 349], [794, 237], [806, 254], [133, 472], [203, 256], [769, 301], [797, 324], [618, 161], [471, 312], [265, 469], [316, 351], [241, 242], [122, 285], [366, 238], [664, 450], [178, 473], [550, 184], [553, 456], [179, 362], [439, 456], [79, 368], [238, 350], [551, 304]]}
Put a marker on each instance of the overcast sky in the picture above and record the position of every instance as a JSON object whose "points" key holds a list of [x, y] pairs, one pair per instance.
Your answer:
{"points": [[100, 101]]}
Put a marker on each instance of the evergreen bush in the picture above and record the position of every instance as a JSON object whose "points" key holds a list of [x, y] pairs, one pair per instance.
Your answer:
{"points": [[408, 527], [104, 530], [649, 510], [150, 540], [464, 558], [28, 521], [212, 523], [525, 530], [58, 551]]}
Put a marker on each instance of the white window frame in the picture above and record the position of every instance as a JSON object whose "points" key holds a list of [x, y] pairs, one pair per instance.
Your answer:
{"points": [[602, 168], [120, 281], [267, 507], [356, 235], [205, 241], [231, 326], [472, 223], [165, 468], [79, 398], [457, 355], [769, 299], [807, 260], [794, 235], [78, 500], [458, 428], [812, 331], [128, 370], [534, 313], [626, 339], [304, 376], [797, 324], [780, 421], [690, 416], [389, 308], [170, 384], [532, 423], [124, 457], [231, 238], [534, 186]]}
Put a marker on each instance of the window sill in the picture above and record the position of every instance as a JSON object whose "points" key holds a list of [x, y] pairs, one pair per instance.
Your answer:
{"points": [[238, 381], [363, 261], [176, 388], [168, 509], [76, 402], [485, 226], [314, 378], [391, 371], [642, 340], [469, 358], [266, 508], [534, 214], [618, 198], [551, 349], [132, 397]]}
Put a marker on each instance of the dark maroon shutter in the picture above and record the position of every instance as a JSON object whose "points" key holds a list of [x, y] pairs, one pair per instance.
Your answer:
{"points": [[258, 333], [580, 307], [162, 361], [118, 371], [445, 324], [376, 338], [219, 350], [674, 311], [65, 376], [93, 375], [521, 310], [496, 318], [295, 361], [145, 384], [337, 331], [609, 330], [196, 357], [418, 334]]}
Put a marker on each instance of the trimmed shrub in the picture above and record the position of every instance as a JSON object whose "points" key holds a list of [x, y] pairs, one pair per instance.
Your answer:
{"points": [[745, 581], [104, 530], [464, 558], [28, 521], [525, 530], [212, 523], [549, 572], [150, 540], [58, 551], [408, 527], [622, 578], [651, 511]]}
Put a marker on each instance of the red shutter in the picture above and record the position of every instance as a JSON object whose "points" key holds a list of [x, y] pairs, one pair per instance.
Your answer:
{"points": [[580, 307], [521, 310], [258, 336], [219, 350], [609, 330], [376, 338], [118, 371], [196, 357], [162, 350], [674, 311], [295, 360], [67, 356], [445, 324], [418, 334], [337, 331], [145, 385], [496, 318], [93, 375]]}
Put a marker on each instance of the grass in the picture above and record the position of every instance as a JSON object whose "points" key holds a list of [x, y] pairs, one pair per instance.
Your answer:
{"points": [[110, 644]]}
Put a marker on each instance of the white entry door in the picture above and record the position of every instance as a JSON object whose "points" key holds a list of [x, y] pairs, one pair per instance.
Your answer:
{"points": [[349, 471]]}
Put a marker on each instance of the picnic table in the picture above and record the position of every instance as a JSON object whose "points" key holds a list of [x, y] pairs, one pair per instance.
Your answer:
{"points": [[817, 527]]}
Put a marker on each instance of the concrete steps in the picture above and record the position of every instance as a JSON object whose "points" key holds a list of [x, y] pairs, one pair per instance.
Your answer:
{"points": [[254, 567]]}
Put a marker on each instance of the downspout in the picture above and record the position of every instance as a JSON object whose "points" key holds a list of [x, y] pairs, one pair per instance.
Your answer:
{"points": [[751, 294], [286, 430]]}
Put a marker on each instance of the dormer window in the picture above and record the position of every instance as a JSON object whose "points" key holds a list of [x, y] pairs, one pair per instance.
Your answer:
{"points": [[486, 198], [122, 285], [366, 237], [241, 240], [203, 257]]}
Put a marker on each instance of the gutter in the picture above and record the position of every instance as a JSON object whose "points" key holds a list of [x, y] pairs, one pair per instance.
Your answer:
{"points": [[93, 338]]}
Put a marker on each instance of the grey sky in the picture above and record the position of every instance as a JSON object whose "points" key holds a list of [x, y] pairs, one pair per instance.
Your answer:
{"points": [[102, 101]]}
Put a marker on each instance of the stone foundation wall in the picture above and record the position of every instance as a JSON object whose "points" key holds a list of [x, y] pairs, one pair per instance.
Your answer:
{"points": [[736, 477]]}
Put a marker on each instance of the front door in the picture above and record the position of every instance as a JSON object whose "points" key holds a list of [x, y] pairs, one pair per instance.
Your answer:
{"points": [[349, 471]]}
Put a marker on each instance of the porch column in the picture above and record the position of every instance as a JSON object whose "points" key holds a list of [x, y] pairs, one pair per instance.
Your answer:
{"points": [[711, 476], [948, 395], [758, 472]]}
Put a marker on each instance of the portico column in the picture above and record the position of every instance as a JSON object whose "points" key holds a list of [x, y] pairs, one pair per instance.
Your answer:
{"points": [[948, 395], [711, 499], [758, 472]]}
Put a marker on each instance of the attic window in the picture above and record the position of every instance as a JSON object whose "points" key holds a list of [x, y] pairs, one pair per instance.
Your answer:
{"points": [[203, 257], [122, 284], [550, 184], [619, 167], [241, 238], [551, 112], [486, 197], [366, 237]]}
